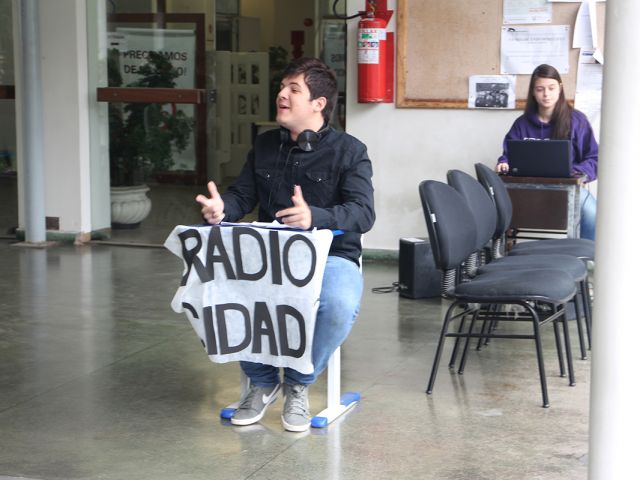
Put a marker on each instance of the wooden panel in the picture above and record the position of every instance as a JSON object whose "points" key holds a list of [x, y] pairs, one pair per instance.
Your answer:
{"points": [[539, 209], [151, 95], [544, 180]]}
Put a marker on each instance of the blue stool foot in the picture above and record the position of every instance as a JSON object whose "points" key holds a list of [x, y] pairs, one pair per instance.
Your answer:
{"points": [[348, 398], [227, 412], [329, 414]]}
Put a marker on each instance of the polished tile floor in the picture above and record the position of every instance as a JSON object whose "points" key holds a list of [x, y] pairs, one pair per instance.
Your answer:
{"points": [[99, 379]]}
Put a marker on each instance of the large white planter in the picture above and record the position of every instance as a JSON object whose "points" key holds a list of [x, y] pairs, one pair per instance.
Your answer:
{"points": [[129, 206]]}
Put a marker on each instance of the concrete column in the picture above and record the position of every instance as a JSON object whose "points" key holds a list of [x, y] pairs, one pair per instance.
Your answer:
{"points": [[31, 95], [66, 115], [615, 411]]}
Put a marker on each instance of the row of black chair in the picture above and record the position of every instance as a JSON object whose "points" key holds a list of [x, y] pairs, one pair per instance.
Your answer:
{"points": [[466, 226], [485, 215], [584, 249]]}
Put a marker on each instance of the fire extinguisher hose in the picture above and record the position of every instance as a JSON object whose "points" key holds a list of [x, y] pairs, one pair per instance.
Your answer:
{"points": [[342, 17]]}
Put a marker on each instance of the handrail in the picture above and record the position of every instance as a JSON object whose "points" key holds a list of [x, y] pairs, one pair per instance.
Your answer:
{"points": [[195, 96]]}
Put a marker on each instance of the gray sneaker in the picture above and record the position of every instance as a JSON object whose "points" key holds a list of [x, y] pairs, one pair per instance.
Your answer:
{"points": [[254, 404], [295, 413]]}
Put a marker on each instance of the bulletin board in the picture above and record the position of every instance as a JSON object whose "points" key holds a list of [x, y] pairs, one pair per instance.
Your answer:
{"points": [[441, 43]]}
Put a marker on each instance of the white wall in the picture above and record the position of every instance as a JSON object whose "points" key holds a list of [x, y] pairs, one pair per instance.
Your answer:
{"points": [[407, 146]]}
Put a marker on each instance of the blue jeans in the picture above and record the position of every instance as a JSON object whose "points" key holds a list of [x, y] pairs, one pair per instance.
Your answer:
{"points": [[339, 306], [588, 205]]}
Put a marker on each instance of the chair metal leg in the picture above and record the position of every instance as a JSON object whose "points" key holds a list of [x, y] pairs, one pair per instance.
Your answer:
{"points": [[454, 352], [556, 334], [463, 360], [586, 302], [492, 326], [567, 344], [487, 327], [538, 342], [436, 360], [583, 348]]}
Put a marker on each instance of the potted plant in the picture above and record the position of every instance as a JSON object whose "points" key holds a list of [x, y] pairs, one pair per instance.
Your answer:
{"points": [[143, 137]]}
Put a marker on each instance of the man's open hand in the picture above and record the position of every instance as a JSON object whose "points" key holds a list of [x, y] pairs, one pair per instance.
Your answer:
{"points": [[213, 207], [299, 215]]}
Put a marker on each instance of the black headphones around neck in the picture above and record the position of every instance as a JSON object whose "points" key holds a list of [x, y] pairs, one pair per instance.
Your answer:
{"points": [[307, 140]]}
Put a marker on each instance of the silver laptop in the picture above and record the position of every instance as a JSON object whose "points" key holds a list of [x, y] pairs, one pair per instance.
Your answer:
{"points": [[540, 158]]}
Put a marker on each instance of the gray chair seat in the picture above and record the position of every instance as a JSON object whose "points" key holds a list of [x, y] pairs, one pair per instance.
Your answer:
{"points": [[578, 247], [547, 285], [567, 263]]}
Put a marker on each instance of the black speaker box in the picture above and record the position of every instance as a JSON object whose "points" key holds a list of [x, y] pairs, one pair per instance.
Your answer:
{"points": [[418, 275]]}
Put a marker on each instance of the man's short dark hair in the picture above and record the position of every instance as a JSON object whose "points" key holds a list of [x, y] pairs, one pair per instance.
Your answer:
{"points": [[320, 79]]}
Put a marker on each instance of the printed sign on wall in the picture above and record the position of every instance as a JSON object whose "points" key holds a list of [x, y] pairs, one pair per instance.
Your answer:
{"points": [[251, 291]]}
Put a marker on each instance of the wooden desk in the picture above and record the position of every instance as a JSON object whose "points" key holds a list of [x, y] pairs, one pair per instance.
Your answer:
{"points": [[545, 205]]}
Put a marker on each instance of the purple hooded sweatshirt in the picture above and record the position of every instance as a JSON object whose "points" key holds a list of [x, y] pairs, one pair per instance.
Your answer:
{"points": [[585, 149]]}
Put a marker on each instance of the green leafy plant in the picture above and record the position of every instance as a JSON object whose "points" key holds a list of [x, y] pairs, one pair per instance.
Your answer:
{"points": [[143, 137]]}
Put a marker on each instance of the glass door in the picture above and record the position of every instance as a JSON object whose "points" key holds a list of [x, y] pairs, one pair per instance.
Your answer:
{"points": [[162, 118], [157, 98]]}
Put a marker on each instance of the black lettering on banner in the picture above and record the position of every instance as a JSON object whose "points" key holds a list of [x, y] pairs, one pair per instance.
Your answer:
{"points": [[215, 240], [190, 256], [236, 233], [282, 312], [276, 264], [225, 348], [263, 325], [209, 332], [285, 254], [191, 309]]}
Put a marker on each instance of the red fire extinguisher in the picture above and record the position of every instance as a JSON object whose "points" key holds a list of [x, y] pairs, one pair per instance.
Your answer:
{"points": [[372, 59]]}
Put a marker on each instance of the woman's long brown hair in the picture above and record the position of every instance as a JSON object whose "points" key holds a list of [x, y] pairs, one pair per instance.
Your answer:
{"points": [[561, 116]]}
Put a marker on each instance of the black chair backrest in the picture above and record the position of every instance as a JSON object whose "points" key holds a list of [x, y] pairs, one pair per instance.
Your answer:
{"points": [[492, 182], [450, 224], [479, 202]]}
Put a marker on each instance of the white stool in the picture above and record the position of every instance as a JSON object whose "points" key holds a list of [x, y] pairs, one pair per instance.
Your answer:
{"points": [[337, 404]]}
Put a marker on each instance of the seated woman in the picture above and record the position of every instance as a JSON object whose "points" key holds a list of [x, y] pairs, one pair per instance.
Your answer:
{"points": [[548, 116]]}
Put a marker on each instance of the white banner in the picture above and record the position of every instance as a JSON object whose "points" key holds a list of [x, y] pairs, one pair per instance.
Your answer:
{"points": [[250, 291]]}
